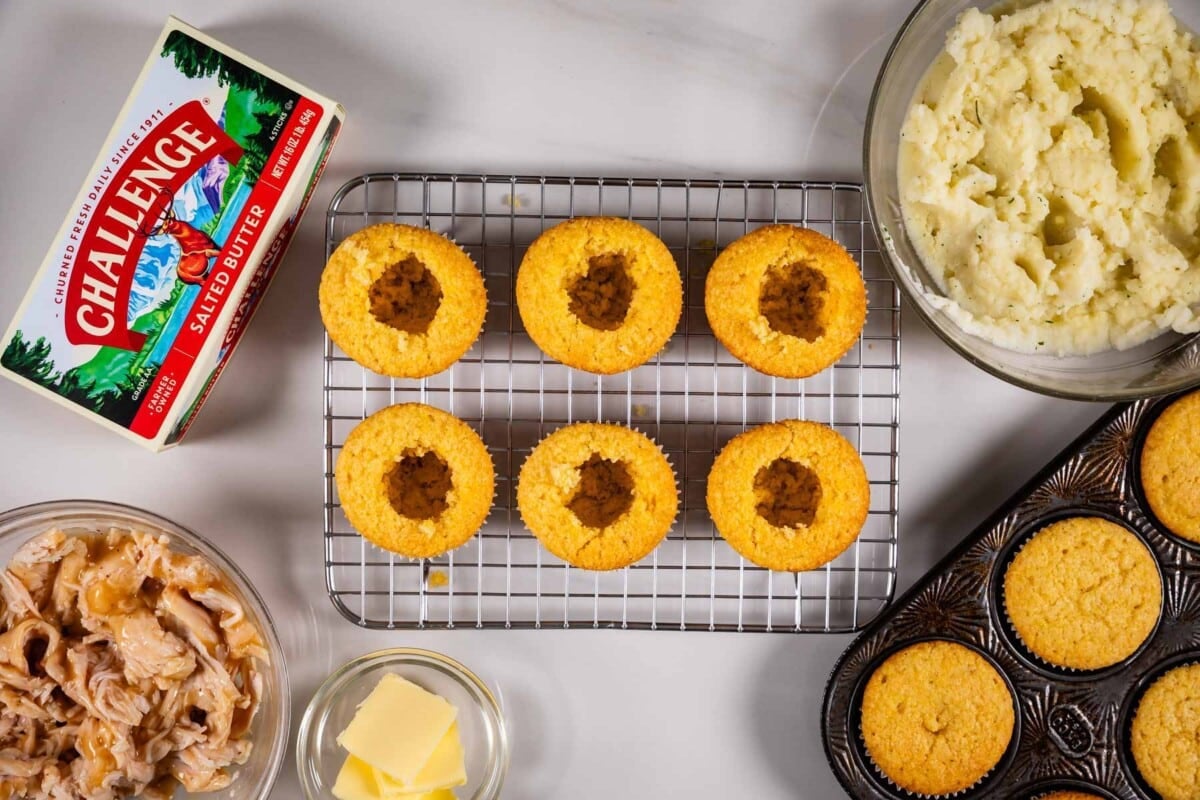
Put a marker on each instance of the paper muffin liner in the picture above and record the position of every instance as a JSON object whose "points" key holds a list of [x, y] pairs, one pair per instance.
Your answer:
{"points": [[886, 780], [431, 559], [1022, 646], [679, 498], [1048, 794], [898, 789], [1128, 712]]}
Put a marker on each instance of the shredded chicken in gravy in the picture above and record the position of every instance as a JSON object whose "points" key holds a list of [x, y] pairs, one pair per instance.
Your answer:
{"points": [[126, 670]]}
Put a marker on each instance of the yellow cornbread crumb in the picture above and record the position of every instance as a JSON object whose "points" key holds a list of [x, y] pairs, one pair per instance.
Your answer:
{"points": [[936, 718], [844, 495], [361, 265], [1083, 593], [371, 453], [832, 300], [550, 481], [1171, 467], [565, 254], [1166, 734]]}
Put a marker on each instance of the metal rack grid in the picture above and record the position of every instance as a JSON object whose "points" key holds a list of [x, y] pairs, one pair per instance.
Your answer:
{"points": [[692, 398]]}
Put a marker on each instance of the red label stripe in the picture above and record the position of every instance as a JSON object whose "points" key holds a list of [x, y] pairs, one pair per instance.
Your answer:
{"points": [[97, 299], [229, 266]]}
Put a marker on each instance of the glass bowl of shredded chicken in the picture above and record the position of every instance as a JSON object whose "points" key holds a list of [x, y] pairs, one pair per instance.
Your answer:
{"points": [[136, 660]]}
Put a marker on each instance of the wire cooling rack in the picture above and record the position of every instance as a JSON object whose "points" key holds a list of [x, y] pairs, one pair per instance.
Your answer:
{"points": [[692, 398]]}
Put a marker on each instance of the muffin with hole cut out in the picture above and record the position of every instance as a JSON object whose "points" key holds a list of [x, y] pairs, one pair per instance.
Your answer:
{"points": [[786, 301], [599, 294], [415, 480], [789, 495], [402, 301], [597, 495]]}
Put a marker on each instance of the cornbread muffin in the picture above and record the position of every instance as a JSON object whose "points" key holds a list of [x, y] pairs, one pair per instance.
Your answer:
{"points": [[415, 480], [1166, 734], [402, 301], [599, 294], [789, 495], [786, 300], [1083, 593], [936, 718], [596, 495], [1170, 467]]}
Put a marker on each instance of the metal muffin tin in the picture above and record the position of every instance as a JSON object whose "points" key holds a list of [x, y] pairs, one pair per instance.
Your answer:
{"points": [[1072, 727]]}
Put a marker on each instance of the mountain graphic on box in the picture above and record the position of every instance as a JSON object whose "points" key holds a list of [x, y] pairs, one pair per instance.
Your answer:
{"points": [[204, 209]]}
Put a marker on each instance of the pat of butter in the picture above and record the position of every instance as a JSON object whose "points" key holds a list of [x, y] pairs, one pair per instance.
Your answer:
{"points": [[356, 781], [444, 769], [398, 727]]}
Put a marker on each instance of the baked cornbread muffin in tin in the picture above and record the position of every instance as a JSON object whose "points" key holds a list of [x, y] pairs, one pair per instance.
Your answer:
{"points": [[1083, 593], [785, 300], [937, 717], [599, 294], [1165, 735], [789, 495], [415, 480], [597, 495], [402, 301], [1170, 467]]}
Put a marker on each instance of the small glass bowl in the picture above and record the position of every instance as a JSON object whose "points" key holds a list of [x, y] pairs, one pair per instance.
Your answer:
{"points": [[480, 718], [1169, 363], [269, 732]]}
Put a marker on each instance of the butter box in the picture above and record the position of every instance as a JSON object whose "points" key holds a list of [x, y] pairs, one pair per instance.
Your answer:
{"points": [[173, 239]]}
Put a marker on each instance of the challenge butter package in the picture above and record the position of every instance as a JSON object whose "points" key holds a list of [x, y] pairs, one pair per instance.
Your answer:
{"points": [[172, 240]]}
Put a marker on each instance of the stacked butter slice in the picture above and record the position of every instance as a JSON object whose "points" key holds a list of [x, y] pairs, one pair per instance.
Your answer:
{"points": [[403, 744]]}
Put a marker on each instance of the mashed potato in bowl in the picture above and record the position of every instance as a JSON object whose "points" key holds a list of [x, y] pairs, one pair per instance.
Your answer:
{"points": [[1050, 175]]}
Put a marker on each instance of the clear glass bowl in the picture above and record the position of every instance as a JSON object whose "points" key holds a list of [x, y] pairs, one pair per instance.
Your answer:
{"points": [[480, 719], [1166, 364], [269, 733]]}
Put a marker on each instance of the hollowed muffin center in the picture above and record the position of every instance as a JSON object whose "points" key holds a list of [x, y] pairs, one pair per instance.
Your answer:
{"points": [[605, 492], [791, 298], [788, 493], [406, 296], [600, 298], [417, 485]]}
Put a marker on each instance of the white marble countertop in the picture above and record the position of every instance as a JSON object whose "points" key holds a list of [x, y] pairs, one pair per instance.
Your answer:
{"points": [[695, 89]]}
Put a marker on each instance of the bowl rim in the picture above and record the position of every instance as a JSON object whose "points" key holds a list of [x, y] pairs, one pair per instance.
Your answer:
{"points": [[80, 507], [418, 656], [896, 268]]}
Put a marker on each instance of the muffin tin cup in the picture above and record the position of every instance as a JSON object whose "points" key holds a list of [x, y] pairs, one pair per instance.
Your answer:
{"points": [[1072, 725], [1129, 711], [1139, 494], [1003, 622], [977, 789], [1042, 790]]}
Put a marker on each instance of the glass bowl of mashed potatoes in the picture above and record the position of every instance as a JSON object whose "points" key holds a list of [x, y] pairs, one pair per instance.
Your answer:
{"points": [[152, 668], [1033, 174]]}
